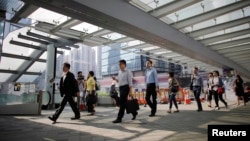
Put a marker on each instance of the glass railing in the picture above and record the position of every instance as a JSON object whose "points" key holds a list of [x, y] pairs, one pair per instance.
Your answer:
{"points": [[11, 99]]}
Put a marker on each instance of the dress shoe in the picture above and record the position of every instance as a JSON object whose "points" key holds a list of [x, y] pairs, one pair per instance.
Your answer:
{"points": [[151, 115], [52, 118], [199, 110], [117, 121], [75, 118]]}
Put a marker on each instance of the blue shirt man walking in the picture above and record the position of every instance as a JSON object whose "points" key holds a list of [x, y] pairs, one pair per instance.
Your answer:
{"points": [[151, 80]]}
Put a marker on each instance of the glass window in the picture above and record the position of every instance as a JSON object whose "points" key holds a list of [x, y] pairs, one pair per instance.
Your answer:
{"points": [[53, 18], [86, 27], [10, 63], [4, 76], [154, 4], [113, 36], [37, 67], [27, 78]]}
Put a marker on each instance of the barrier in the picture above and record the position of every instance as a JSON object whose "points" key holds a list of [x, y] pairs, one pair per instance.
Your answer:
{"points": [[187, 99], [140, 97], [163, 95], [143, 100]]}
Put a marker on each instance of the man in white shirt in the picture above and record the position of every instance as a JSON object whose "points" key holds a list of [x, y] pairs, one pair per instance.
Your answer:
{"points": [[125, 87]]}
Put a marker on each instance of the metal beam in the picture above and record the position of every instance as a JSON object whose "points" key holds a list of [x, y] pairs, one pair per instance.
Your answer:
{"points": [[67, 33], [211, 14], [171, 7], [24, 12], [229, 44], [31, 46], [98, 33], [240, 58], [235, 49], [218, 27], [241, 53], [157, 50], [32, 39], [70, 33], [16, 72], [103, 14], [25, 66], [56, 42], [143, 45], [121, 40], [225, 36], [62, 25], [244, 61], [42, 37], [21, 57]]}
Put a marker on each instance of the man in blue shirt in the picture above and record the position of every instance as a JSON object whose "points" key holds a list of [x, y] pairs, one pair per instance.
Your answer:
{"points": [[197, 83], [151, 80]]}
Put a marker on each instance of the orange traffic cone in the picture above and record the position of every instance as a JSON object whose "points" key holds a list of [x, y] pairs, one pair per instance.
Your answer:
{"points": [[187, 99]]}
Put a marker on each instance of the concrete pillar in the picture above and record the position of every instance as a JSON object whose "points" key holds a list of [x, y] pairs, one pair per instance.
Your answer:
{"points": [[50, 72]]}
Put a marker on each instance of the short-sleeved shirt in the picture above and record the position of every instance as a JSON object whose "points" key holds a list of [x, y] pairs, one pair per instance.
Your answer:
{"points": [[90, 84]]}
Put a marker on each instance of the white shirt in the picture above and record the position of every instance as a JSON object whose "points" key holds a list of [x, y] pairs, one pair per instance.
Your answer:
{"points": [[64, 75], [210, 82], [125, 78], [216, 83]]}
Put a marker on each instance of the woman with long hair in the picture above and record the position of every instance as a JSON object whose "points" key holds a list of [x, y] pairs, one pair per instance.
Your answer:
{"points": [[239, 89], [217, 82], [172, 82]]}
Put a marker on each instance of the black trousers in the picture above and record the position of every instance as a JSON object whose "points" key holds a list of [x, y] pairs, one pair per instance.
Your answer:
{"points": [[91, 100], [72, 104], [197, 93], [151, 92], [218, 97], [210, 94], [124, 91], [117, 100]]}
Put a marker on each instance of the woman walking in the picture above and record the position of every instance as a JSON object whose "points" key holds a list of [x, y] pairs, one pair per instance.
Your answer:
{"points": [[172, 91], [239, 89]]}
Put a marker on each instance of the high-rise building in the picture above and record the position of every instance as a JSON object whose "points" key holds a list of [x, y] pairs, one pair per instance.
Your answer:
{"points": [[81, 59], [135, 62], [98, 71]]}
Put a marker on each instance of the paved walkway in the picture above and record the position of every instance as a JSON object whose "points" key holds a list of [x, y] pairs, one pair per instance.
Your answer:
{"points": [[188, 124]]}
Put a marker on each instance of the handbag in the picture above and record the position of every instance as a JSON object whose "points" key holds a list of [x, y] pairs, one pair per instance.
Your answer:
{"points": [[220, 90], [114, 94], [174, 88], [91, 98], [132, 105]]}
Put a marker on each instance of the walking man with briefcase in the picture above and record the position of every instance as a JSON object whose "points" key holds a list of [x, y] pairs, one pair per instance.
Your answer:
{"points": [[125, 87]]}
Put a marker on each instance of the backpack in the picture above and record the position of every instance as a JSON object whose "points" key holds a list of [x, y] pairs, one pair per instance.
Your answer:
{"points": [[174, 88]]}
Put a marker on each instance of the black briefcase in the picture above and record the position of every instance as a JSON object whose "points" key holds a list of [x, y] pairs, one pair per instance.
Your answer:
{"points": [[132, 105]]}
